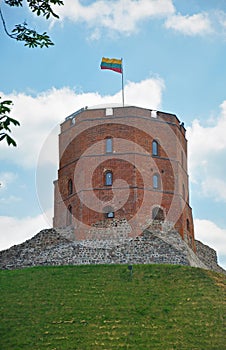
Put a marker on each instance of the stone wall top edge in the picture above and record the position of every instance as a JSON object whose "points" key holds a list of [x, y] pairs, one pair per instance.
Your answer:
{"points": [[119, 110], [120, 119]]}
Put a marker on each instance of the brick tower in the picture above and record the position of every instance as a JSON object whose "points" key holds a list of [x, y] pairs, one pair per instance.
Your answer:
{"points": [[122, 164]]}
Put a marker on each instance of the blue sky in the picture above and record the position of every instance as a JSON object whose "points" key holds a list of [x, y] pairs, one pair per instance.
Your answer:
{"points": [[174, 60]]}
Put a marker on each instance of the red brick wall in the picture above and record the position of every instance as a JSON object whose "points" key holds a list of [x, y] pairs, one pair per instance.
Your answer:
{"points": [[84, 160]]}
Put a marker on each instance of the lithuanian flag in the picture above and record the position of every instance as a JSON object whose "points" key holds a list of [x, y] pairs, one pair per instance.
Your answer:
{"points": [[112, 64]]}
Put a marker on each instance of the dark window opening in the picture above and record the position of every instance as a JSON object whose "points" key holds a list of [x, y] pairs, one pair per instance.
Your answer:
{"points": [[70, 187], [69, 215], [158, 214], [155, 148], [182, 159], [156, 182], [109, 212], [183, 193], [108, 178], [188, 225], [109, 145], [110, 215]]}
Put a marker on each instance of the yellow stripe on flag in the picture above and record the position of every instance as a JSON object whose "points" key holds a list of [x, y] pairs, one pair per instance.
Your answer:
{"points": [[111, 60]]}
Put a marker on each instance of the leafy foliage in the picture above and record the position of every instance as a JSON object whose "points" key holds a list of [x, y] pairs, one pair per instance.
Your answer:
{"points": [[5, 122], [40, 7], [32, 39], [22, 32]]}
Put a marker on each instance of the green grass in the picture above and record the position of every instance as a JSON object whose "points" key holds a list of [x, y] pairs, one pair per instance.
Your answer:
{"points": [[101, 307]]}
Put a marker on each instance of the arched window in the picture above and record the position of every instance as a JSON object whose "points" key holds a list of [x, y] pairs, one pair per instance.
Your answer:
{"points": [[108, 178], [69, 215], [155, 150], [157, 214], [108, 145], [70, 187], [156, 181], [188, 225], [183, 192], [109, 212]]}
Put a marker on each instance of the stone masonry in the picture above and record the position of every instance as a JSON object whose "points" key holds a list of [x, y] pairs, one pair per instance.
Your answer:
{"points": [[54, 247]]}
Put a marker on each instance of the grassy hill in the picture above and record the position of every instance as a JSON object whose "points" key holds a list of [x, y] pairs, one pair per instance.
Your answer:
{"points": [[103, 307]]}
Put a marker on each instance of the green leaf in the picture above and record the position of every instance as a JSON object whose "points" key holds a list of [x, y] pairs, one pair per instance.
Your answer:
{"points": [[14, 121], [10, 141], [16, 3], [5, 122], [2, 137]]}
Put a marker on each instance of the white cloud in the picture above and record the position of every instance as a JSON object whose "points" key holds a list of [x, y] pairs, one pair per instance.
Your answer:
{"points": [[215, 237], [39, 116], [6, 178], [147, 95], [206, 150], [119, 15], [215, 188], [197, 24], [125, 17], [16, 231]]}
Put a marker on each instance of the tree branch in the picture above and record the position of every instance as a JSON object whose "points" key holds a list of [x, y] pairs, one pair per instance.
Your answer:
{"points": [[22, 32], [4, 24]]}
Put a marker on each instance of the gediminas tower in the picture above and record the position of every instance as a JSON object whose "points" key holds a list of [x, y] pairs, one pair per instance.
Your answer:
{"points": [[122, 163]]}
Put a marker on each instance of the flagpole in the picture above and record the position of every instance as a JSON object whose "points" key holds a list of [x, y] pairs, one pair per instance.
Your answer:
{"points": [[122, 88]]}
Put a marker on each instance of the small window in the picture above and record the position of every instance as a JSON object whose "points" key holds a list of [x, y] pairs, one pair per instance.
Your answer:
{"points": [[70, 187], [109, 212], [109, 145], [69, 215], [182, 159], [183, 192], [188, 225], [155, 148], [156, 181], [108, 178], [110, 215], [157, 214]]}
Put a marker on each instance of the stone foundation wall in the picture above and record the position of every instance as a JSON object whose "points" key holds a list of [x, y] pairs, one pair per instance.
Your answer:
{"points": [[208, 256], [59, 247]]}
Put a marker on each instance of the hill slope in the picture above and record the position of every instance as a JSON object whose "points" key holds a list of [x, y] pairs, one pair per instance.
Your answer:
{"points": [[105, 307]]}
